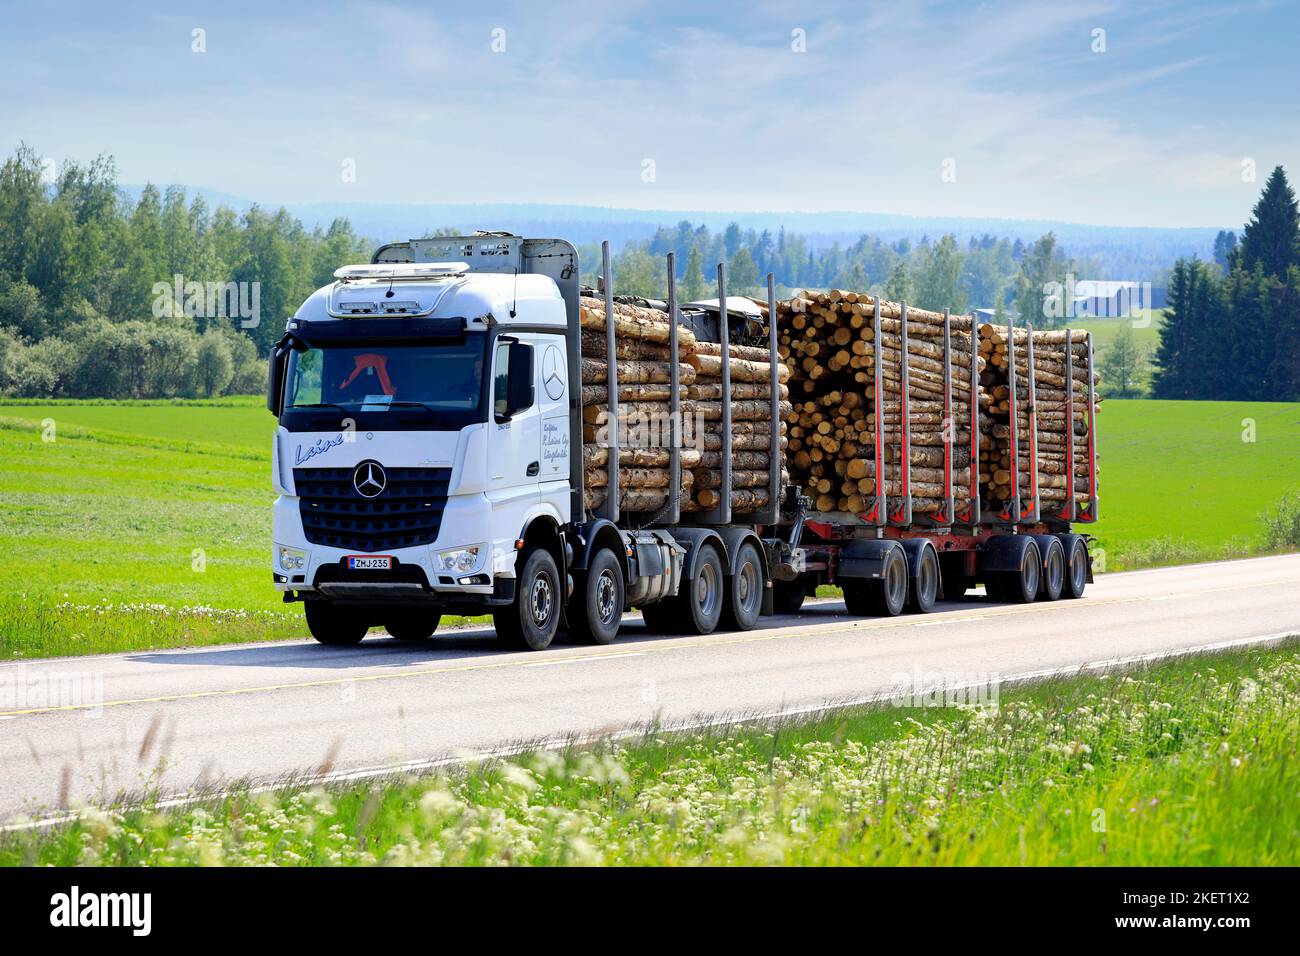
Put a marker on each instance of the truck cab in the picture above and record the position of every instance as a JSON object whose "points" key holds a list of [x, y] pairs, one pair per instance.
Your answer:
{"points": [[425, 424]]}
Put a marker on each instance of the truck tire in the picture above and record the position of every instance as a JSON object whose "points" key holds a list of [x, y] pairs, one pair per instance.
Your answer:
{"points": [[413, 625], [597, 607], [883, 597], [333, 625], [924, 590], [529, 622], [744, 592], [697, 608], [788, 596], [1076, 565], [1019, 586], [1052, 581]]}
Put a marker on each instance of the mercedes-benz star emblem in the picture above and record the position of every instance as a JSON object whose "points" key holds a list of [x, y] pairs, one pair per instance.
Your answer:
{"points": [[553, 373], [369, 479]]}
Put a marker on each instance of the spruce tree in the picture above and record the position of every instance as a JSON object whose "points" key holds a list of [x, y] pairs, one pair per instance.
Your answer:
{"points": [[1189, 364], [1249, 337], [1272, 237]]}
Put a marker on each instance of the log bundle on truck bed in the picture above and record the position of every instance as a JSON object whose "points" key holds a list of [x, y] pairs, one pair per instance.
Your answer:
{"points": [[870, 431], [645, 415]]}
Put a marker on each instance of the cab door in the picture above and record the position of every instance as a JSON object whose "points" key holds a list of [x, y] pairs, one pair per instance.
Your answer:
{"points": [[514, 441]]}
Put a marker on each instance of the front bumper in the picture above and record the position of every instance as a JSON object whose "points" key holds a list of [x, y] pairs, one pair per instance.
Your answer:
{"points": [[414, 578], [404, 584]]}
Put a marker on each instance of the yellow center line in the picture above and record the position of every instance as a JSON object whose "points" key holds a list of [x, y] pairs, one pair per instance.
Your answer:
{"points": [[751, 637]]}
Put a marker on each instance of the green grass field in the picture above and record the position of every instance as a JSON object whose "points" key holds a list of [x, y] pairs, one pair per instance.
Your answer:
{"points": [[1187, 763], [1104, 331], [147, 525], [1181, 482]]}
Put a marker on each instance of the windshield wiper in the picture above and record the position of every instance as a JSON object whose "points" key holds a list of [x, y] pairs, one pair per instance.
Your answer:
{"points": [[342, 408], [425, 405]]}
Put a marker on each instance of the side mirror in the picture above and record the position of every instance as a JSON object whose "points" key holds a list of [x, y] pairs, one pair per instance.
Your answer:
{"points": [[275, 379], [519, 381]]}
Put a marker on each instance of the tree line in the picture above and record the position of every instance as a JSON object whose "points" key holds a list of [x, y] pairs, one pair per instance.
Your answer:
{"points": [[88, 305], [91, 303], [984, 272], [1232, 328]]}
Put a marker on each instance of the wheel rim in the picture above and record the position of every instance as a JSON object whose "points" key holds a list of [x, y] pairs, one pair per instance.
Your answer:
{"points": [[748, 591], [707, 592], [1078, 567], [1055, 572], [542, 600], [606, 597], [929, 582], [896, 583], [1029, 571]]}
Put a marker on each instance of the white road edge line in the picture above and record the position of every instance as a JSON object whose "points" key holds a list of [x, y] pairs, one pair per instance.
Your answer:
{"points": [[552, 743]]}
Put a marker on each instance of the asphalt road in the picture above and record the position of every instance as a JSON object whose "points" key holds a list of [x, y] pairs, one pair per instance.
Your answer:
{"points": [[80, 730]]}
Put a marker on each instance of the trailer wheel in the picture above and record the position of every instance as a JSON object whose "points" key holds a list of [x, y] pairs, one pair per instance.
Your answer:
{"points": [[1053, 578], [413, 625], [925, 584], [788, 596], [597, 611], [885, 597], [529, 622], [744, 593], [1019, 586], [335, 626], [1076, 565]]}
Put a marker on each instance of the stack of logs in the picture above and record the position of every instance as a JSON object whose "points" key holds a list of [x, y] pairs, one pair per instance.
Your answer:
{"points": [[645, 418], [1050, 395], [828, 340]]}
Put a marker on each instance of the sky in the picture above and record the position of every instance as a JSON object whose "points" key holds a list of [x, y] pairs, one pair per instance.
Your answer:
{"points": [[1133, 114]]}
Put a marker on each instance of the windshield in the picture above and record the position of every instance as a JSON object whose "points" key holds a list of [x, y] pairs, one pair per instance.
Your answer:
{"points": [[441, 383]]}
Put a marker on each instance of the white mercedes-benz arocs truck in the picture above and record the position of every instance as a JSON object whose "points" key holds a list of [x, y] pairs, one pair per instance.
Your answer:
{"points": [[429, 459]]}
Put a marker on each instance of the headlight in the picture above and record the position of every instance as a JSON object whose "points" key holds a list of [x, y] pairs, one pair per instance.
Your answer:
{"points": [[291, 559], [458, 560]]}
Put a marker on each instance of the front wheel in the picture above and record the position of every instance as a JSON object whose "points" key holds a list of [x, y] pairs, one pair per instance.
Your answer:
{"points": [[597, 611], [333, 625], [530, 620]]}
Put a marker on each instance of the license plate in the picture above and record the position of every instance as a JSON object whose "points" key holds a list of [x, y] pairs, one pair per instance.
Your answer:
{"points": [[370, 562]]}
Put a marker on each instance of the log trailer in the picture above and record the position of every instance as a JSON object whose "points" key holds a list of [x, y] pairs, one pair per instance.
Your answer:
{"points": [[428, 459]]}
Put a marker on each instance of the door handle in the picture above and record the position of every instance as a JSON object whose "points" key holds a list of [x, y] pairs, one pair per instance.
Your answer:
{"points": [[533, 469]]}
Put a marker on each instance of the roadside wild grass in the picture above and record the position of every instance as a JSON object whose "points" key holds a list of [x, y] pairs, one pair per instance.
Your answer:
{"points": [[1282, 525], [40, 628], [1191, 762]]}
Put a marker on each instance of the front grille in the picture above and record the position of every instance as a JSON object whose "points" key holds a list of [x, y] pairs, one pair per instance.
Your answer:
{"points": [[407, 512]]}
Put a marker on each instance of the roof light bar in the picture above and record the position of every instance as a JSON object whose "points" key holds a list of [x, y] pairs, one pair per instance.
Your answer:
{"points": [[402, 270]]}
